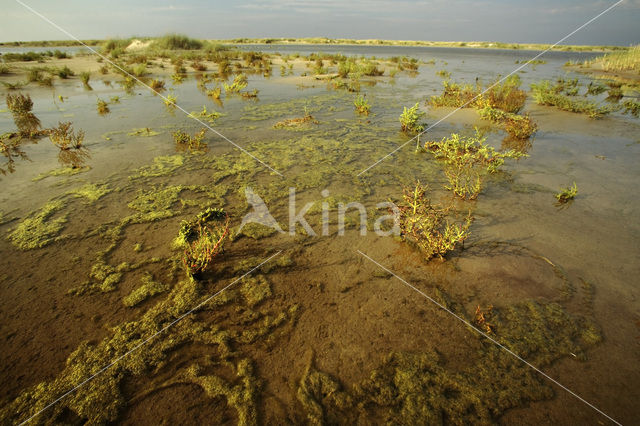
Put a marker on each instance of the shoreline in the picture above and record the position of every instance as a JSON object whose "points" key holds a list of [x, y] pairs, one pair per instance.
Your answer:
{"points": [[348, 42]]}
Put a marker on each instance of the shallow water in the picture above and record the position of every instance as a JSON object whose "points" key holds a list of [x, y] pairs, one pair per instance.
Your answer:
{"points": [[340, 314]]}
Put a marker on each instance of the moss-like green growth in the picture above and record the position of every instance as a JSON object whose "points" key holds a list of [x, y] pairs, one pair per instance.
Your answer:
{"points": [[148, 289], [162, 166], [156, 203], [92, 192], [255, 289], [256, 231], [39, 229]]}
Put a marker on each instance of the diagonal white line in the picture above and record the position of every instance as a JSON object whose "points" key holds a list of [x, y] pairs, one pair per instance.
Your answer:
{"points": [[147, 340], [501, 346], [148, 87], [492, 86]]}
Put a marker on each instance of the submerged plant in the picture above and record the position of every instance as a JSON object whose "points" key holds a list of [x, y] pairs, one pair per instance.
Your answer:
{"points": [[72, 151], [567, 194], [409, 119], [427, 225], [362, 105]]}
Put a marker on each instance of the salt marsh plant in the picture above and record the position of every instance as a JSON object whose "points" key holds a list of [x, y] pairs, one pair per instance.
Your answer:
{"points": [[85, 76], [215, 92], [20, 106], [631, 107], [239, 83], [428, 226], [204, 239], [205, 114], [458, 150], [170, 100], [72, 151], [185, 141], [157, 85], [10, 149], [362, 105], [410, 119], [64, 72], [518, 126], [103, 107], [545, 94], [567, 194]]}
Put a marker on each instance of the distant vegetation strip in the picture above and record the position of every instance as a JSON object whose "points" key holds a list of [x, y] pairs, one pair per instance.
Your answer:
{"points": [[342, 41]]}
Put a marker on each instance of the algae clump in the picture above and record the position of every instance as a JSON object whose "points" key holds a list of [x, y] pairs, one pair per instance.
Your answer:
{"points": [[92, 192], [39, 229], [148, 289]]}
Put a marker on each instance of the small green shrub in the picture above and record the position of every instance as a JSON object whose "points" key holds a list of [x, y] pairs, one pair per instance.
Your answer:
{"points": [[409, 119], [362, 105], [567, 194]]}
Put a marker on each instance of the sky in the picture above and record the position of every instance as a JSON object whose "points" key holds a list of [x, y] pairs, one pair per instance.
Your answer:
{"points": [[518, 21]]}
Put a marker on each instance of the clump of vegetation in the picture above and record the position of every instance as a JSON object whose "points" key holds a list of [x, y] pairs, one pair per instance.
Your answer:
{"points": [[410, 119], [545, 94], [362, 105], [192, 143], [206, 115], [631, 107], [506, 96], [595, 89], [157, 85], [72, 151], [178, 42], [204, 239], [567, 194], [147, 289], [85, 76], [239, 83], [458, 149], [427, 225], [39, 229], [467, 160], [296, 122], [250, 95], [519, 127], [91, 191], [628, 60], [215, 92], [10, 149], [103, 107], [20, 106], [170, 100], [65, 72]]}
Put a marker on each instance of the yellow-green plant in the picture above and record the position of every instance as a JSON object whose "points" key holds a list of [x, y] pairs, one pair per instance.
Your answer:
{"points": [[20, 106], [567, 194], [192, 143], [204, 243], [239, 83], [170, 100], [409, 119], [103, 107], [72, 151], [362, 105], [428, 226]]}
